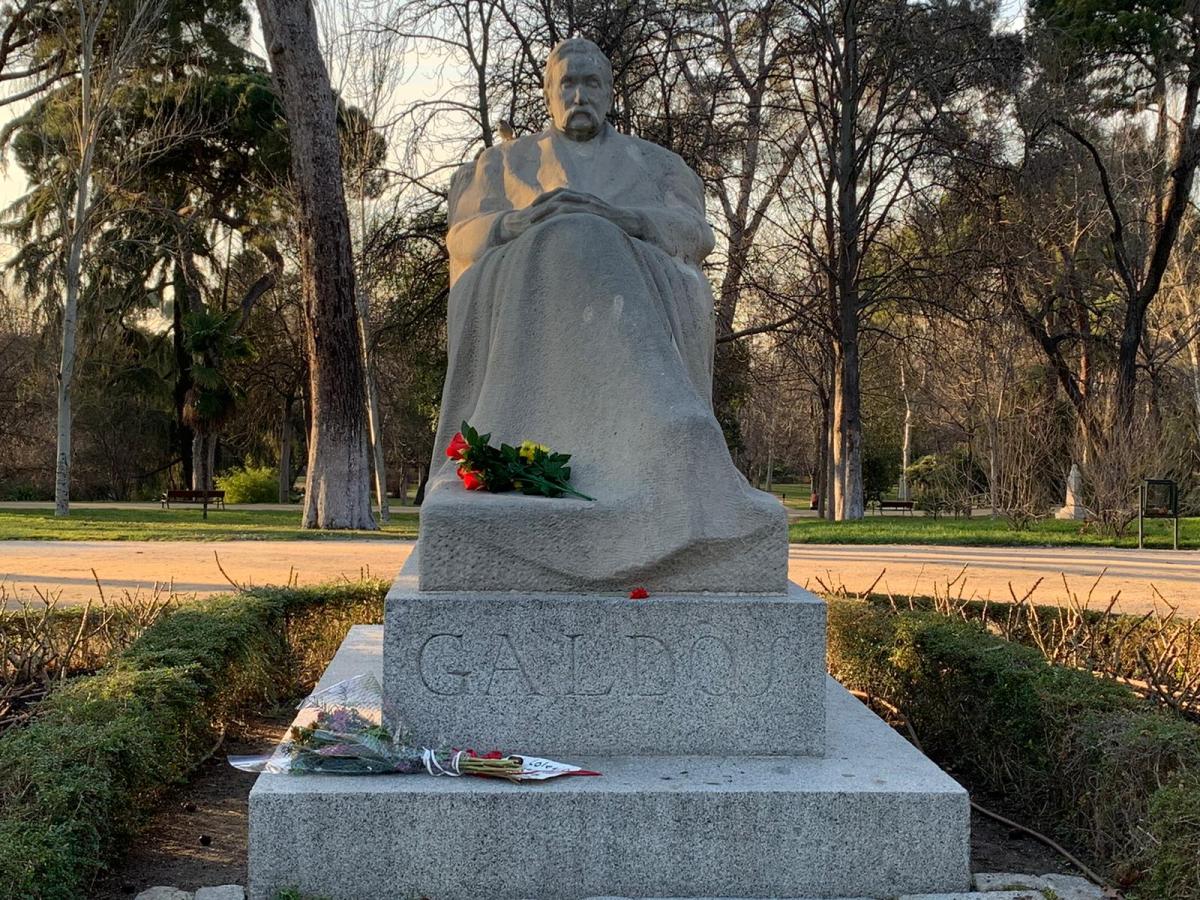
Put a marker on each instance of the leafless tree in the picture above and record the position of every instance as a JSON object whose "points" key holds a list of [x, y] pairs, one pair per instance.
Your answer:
{"points": [[879, 88]]}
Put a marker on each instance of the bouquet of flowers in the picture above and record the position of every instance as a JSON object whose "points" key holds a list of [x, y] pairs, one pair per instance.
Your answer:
{"points": [[530, 468], [344, 730]]}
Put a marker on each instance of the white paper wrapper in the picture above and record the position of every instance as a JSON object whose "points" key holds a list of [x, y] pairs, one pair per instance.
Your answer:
{"points": [[535, 768]]}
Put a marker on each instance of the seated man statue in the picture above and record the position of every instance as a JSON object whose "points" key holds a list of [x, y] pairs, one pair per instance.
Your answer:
{"points": [[579, 318]]}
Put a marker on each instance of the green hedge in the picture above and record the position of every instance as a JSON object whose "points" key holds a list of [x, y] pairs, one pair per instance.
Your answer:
{"points": [[1085, 759], [250, 485], [78, 780]]}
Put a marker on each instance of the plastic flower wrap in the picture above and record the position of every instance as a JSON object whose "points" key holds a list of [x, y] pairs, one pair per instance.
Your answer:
{"points": [[346, 730]]}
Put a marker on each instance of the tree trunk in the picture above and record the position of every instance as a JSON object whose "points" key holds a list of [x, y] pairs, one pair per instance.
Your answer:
{"points": [[906, 442], [994, 470], [62, 464], [847, 434], [210, 461], [847, 419], [422, 483], [993, 419], [66, 366], [363, 306], [375, 424], [72, 277], [285, 453], [1127, 354], [204, 453], [338, 489], [1169, 213], [1193, 355], [825, 503], [199, 458], [183, 374]]}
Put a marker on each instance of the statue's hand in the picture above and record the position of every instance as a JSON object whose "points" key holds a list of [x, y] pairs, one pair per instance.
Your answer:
{"points": [[564, 201]]}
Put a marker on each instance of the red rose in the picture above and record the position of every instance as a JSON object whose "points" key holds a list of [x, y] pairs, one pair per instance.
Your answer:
{"points": [[458, 447], [639, 594], [470, 479]]}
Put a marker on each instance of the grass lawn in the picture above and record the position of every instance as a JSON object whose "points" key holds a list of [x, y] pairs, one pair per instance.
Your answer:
{"points": [[795, 496], [799, 496], [983, 531], [140, 524], [179, 525]]}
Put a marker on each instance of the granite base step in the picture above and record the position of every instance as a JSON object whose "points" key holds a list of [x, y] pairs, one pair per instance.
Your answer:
{"points": [[872, 817]]}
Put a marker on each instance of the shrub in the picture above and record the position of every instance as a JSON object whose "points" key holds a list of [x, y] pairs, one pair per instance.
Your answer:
{"points": [[1175, 820], [931, 483], [1084, 758], [24, 491], [947, 482], [76, 782], [250, 485], [880, 468]]}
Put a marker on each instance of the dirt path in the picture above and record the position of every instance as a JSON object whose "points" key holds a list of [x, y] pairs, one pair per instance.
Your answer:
{"points": [[191, 566]]}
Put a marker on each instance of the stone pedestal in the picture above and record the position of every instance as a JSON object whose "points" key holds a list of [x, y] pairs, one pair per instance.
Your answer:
{"points": [[728, 775], [1073, 507], [476, 541], [570, 674]]}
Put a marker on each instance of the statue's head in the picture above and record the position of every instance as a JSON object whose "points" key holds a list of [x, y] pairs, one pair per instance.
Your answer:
{"points": [[578, 83]]}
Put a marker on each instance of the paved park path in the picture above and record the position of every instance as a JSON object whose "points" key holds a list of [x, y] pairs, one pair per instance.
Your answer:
{"points": [[191, 567]]}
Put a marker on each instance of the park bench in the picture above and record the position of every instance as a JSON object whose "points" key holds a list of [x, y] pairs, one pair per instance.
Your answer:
{"points": [[902, 505], [204, 498]]}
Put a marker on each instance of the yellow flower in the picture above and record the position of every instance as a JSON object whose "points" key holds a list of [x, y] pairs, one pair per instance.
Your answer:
{"points": [[528, 448]]}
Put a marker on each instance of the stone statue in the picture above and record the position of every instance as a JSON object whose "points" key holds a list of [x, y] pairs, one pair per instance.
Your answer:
{"points": [[579, 317], [1073, 508]]}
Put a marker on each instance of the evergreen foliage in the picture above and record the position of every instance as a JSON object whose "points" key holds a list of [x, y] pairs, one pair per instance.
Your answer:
{"points": [[82, 776], [1086, 760]]}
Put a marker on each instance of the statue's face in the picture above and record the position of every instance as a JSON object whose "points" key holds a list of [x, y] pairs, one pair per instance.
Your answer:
{"points": [[578, 94]]}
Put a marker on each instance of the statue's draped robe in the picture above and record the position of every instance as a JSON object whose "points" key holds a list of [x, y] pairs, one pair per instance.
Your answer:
{"points": [[598, 344]]}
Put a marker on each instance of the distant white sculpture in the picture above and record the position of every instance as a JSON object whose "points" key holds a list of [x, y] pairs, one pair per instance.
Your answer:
{"points": [[1073, 508], [579, 317]]}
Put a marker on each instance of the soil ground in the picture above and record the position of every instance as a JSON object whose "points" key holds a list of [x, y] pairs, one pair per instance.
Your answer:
{"points": [[197, 835], [173, 849]]}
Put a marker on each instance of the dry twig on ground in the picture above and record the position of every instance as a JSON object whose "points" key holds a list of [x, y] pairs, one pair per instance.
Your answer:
{"points": [[43, 641]]}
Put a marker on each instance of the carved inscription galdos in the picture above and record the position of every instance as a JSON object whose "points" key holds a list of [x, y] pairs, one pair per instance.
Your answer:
{"points": [[574, 663]]}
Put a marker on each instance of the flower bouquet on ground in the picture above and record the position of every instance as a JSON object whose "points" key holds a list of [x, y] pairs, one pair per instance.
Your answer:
{"points": [[345, 730], [530, 468]]}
